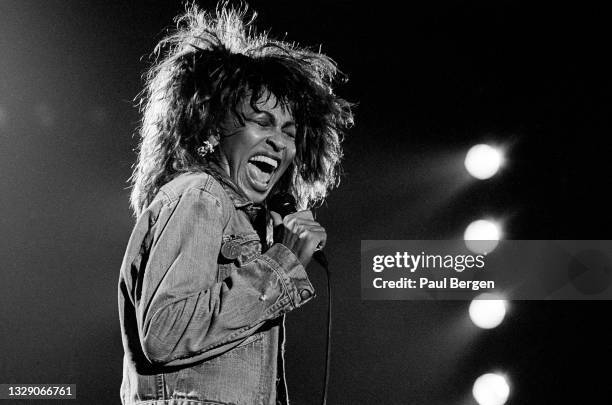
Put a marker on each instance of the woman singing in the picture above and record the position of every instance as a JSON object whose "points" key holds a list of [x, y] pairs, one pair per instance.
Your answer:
{"points": [[230, 119]]}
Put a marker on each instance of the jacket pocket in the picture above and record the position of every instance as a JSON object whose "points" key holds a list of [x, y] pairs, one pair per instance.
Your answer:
{"points": [[241, 248]]}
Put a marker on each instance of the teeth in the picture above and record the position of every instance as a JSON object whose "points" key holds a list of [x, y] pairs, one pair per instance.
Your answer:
{"points": [[265, 159]]}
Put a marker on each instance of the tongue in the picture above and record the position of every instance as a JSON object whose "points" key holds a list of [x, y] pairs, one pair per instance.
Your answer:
{"points": [[259, 174]]}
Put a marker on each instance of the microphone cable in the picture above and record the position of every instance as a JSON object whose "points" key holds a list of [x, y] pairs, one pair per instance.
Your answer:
{"points": [[325, 264], [284, 204]]}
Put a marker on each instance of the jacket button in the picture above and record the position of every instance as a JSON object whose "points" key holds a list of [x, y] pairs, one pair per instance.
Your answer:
{"points": [[231, 250], [305, 294]]}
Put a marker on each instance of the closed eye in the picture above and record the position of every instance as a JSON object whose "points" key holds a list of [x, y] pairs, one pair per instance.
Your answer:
{"points": [[289, 129], [262, 122]]}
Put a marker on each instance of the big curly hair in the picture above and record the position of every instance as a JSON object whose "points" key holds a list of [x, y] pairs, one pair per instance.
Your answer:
{"points": [[204, 70]]}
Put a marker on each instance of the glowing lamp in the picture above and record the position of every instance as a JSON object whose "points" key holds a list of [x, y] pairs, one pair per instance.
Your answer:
{"points": [[483, 161], [491, 389]]}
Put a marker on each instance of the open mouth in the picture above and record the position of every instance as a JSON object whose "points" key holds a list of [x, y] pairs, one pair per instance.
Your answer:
{"points": [[261, 168]]}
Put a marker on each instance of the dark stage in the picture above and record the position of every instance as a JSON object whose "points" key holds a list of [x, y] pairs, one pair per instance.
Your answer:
{"points": [[430, 81]]}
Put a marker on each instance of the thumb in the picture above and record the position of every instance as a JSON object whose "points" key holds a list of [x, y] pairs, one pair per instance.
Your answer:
{"points": [[276, 218]]}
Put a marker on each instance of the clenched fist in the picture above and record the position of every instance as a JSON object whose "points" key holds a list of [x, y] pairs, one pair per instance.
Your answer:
{"points": [[300, 233]]}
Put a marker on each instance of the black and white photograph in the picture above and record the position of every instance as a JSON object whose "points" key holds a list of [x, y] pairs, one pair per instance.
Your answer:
{"points": [[318, 202]]}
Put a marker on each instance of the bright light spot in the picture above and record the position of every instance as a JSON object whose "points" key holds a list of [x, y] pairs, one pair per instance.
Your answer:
{"points": [[483, 161], [487, 311], [482, 236], [482, 230], [491, 389]]}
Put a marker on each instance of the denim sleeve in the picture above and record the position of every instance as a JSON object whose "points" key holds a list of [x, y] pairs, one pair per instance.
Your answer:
{"points": [[185, 315]]}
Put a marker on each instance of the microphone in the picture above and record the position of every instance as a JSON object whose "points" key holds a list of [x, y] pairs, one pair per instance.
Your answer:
{"points": [[284, 204]]}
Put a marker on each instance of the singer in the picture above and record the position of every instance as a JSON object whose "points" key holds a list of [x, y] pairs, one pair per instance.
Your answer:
{"points": [[230, 118]]}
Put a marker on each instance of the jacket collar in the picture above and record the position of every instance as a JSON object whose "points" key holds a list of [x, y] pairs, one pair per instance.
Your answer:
{"points": [[239, 199]]}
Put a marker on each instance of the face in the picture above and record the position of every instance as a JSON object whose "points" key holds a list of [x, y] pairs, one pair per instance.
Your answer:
{"points": [[257, 154]]}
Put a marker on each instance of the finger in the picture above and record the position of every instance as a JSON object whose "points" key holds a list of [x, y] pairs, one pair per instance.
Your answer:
{"points": [[314, 242], [306, 214], [317, 237], [300, 215], [299, 228], [305, 222], [289, 222], [320, 236], [322, 242], [297, 225], [276, 218]]}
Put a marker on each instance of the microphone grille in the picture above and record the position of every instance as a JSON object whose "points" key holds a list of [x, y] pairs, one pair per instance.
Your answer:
{"points": [[282, 203]]}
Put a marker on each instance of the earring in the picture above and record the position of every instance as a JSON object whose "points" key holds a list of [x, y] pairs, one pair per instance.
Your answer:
{"points": [[206, 148]]}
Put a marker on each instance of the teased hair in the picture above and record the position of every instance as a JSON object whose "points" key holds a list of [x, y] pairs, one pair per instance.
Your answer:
{"points": [[204, 70]]}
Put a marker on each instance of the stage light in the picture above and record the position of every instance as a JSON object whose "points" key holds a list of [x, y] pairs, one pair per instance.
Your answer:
{"points": [[491, 389], [487, 310], [482, 236], [483, 161]]}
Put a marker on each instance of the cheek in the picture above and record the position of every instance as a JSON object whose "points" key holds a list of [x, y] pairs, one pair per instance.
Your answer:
{"points": [[239, 144], [290, 158], [291, 150]]}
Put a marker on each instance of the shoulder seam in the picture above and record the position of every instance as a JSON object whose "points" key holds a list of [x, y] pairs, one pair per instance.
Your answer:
{"points": [[223, 195], [172, 194]]}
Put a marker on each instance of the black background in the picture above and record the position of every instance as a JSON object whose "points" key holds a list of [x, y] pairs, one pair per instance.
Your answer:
{"points": [[430, 81]]}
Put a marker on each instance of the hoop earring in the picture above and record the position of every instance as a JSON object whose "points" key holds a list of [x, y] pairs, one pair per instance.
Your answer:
{"points": [[206, 148]]}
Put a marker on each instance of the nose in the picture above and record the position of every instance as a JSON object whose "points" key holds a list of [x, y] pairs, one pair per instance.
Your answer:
{"points": [[277, 142]]}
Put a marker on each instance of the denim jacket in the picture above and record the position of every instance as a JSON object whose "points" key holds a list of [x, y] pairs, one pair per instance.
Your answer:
{"points": [[200, 306]]}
